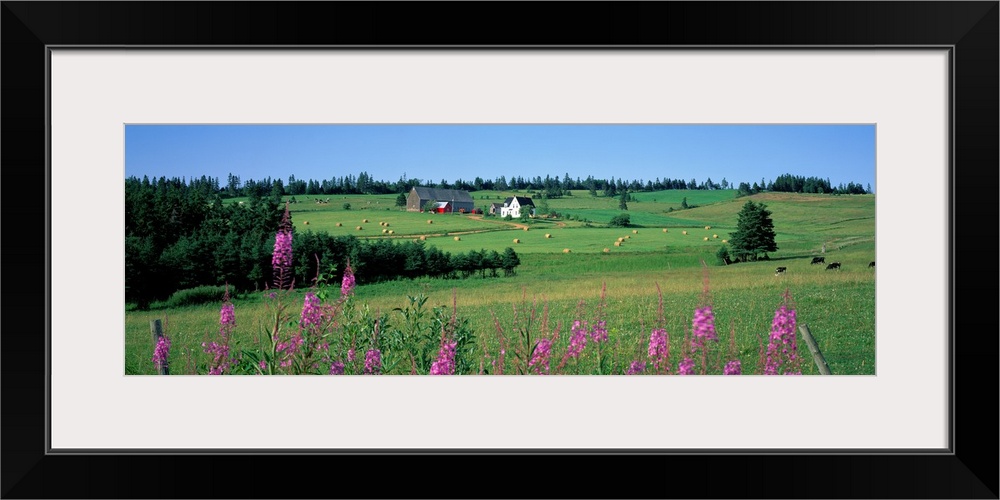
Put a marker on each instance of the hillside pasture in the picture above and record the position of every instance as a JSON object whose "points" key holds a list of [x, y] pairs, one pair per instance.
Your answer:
{"points": [[838, 305]]}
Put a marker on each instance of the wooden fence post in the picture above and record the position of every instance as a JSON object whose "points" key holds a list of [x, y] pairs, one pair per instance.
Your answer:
{"points": [[824, 369], [157, 330]]}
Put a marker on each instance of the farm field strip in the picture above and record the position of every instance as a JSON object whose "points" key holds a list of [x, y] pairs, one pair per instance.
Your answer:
{"points": [[838, 305]]}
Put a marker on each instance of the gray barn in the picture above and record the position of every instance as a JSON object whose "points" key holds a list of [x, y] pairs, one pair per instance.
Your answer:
{"points": [[419, 196]]}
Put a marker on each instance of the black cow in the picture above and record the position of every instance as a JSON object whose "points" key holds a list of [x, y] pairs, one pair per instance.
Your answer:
{"points": [[818, 260], [780, 270], [833, 265], [871, 264]]}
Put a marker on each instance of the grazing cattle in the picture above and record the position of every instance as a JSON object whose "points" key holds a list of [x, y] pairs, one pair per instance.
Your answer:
{"points": [[818, 260], [780, 270], [871, 264], [833, 265]]}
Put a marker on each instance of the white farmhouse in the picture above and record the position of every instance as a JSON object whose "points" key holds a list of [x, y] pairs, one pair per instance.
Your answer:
{"points": [[512, 206]]}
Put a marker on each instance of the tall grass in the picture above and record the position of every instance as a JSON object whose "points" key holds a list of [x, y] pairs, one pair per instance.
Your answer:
{"points": [[838, 306]]}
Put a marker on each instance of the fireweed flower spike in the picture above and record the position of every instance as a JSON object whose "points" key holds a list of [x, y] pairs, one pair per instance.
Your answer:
{"points": [[220, 350], [659, 348], [227, 316], [540, 359], [577, 340], [161, 353], [685, 367], [311, 312], [347, 286], [373, 362], [445, 363], [599, 331], [781, 348], [281, 259], [636, 368], [703, 327], [733, 368]]}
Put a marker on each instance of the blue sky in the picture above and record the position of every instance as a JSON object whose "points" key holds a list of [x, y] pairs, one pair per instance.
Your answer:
{"points": [[738, 153]]}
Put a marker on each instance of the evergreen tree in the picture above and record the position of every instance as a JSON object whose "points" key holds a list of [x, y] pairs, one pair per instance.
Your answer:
{"points": [[754, 236], [401, 200], [621, 201], [509, 261]]}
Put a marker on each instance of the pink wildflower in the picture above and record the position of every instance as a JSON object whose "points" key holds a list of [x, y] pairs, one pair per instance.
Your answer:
{"points": [[445, 363], [336, 368], [636, 368], [373, 362], [161, 353], [659, 348], [540, 358], [311, 312], [577, 340], [281, 258], [288, 349], [686, 367], [220, 357], [781, 348], [703, 327], [227, 318], [347, 285], [599, 332], [733, 367]]}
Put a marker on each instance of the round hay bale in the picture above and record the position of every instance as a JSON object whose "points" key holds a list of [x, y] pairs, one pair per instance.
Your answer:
{"points": [[306, 223], [628, 236], [339, 224], [423, 238], [707, 228], [430, 221], [664, 230], [706, 238], [566, 250], [725, 241], [684, 232], [525, 228], [621, 239], [457, 238], [365, 221], [386, 224], [516, 240], [635, 231], [385, 231], [606, 250], [715, 236], [618, 243], [392, 232], [547, 235], [360, 228]]}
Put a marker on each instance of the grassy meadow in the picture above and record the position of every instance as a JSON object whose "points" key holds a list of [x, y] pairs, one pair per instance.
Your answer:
{"points": [[567, 261]]}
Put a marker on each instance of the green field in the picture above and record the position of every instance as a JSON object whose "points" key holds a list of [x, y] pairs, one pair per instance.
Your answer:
{"points": [[838, 306]]}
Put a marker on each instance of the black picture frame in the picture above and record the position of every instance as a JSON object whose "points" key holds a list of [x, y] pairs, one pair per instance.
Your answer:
{"points": [[969, 28]]}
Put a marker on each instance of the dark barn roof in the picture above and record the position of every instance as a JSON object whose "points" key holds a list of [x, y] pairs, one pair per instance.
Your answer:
{"points": [[426, 193], [521, 200]]}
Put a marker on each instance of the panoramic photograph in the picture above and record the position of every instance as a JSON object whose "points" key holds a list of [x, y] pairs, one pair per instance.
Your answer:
{"points": [[542, 249]]}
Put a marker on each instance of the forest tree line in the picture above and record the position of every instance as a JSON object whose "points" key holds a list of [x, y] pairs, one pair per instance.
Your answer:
{"points": [[551, 186]]}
